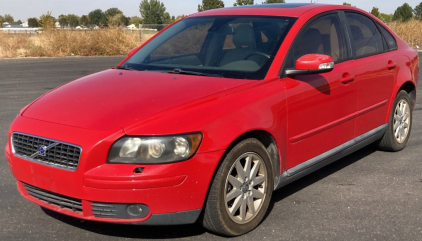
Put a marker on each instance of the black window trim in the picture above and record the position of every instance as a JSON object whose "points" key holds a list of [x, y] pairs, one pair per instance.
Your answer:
{"points": [[351, 40], [282, 74], [379, 26]]}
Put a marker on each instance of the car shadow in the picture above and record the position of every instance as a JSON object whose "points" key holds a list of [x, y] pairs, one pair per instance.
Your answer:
{"points": [[130, 231], [316, 176]]}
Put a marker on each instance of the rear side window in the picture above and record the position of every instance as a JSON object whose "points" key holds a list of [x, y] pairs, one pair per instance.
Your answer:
{"points": [[367, 39], [391, 42], [322, 36]]}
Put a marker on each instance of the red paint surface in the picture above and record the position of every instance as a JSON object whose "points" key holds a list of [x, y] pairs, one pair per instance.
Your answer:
{"points": [[307, 115]]}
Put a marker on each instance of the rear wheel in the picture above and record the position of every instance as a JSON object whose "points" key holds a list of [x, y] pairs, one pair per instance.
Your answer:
{"points": [[241, 191], [400, 124]]}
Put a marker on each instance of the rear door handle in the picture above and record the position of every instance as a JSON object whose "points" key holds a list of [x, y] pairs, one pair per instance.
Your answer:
{"points": [[391, 65], [347, 78]]}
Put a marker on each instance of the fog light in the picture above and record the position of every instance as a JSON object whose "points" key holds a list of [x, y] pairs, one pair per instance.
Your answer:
{"points": [[135, 210]]}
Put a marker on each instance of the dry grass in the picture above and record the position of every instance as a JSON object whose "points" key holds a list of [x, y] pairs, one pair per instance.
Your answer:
{"points": [[61, 43], [410, 31]]}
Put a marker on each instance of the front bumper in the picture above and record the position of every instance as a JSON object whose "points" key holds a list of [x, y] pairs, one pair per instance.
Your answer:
{"points": [[174, 193]]}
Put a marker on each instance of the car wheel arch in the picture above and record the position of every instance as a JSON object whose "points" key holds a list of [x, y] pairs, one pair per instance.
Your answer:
{"points": [[269, 143]]}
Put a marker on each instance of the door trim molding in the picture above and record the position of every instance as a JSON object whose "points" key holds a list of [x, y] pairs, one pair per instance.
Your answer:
{"points": [[330, 156]]}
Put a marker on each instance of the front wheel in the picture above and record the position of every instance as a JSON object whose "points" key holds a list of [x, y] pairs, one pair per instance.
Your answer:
{"points": [[400, 124], [241, 191]]}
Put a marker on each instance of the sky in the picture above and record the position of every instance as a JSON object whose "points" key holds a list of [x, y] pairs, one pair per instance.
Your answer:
{"points": [[23, 9]]}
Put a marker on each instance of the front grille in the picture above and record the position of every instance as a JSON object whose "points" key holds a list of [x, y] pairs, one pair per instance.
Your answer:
{"points": [[57, 154], [54, 198], [104, 210]]}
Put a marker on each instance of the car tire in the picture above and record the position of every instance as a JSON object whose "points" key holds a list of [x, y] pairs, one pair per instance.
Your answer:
{"points": [[400, 124], [241, 191]]}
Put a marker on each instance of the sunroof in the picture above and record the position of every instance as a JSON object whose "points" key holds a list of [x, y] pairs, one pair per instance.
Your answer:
{"points": [[275, 5]]}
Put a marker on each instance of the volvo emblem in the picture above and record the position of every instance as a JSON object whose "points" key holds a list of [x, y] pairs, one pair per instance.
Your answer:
{"points": [[42, 150]]}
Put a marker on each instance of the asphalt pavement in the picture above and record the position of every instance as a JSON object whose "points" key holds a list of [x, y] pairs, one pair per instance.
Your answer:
{"points": [[369, 195]]}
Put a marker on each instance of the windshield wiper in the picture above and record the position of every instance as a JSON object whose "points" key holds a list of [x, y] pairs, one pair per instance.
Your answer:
{"points": [[125, 67], [186, 72]]}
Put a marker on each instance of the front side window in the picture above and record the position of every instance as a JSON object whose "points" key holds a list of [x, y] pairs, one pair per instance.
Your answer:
{"points": [[322, 36], [227, 46], [366, 37]]}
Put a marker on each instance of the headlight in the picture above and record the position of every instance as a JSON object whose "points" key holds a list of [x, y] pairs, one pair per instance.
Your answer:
{"points": [[153, 150]]}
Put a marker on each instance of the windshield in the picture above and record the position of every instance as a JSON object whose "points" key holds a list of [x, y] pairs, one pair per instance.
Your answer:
{"points": [[227, 46]]}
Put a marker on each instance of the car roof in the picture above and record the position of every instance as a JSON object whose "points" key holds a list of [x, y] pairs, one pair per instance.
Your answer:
{"points": [[273, 9]]}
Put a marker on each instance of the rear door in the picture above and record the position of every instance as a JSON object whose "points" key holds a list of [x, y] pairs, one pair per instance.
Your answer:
{"points": [[321, 107], [376, 70]]}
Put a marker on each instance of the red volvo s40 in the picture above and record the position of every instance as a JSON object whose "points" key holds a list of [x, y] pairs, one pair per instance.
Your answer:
{"points": [[210, 116]]}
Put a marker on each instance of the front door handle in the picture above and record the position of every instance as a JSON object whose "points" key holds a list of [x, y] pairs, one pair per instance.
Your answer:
{"points": [[391, 65], [347, 78]]}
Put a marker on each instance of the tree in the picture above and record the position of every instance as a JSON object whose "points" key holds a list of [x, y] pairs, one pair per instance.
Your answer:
{"points": [[210, 4], [386, 17], [63, 21], [84, 20], [418, 11], [347, 4], [273, 1], [47, 21], [19, 22], [33, 22], [118, 20], [98, 17], [243, 2], [403, 13], [111, 12], [152, 11], [376, 12], [180, 16], [73, 20], [1, 21], [8, 18], [135, 20]]}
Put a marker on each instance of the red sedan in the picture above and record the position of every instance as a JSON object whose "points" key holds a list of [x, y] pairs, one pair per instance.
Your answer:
{"points": [[205, 120]]}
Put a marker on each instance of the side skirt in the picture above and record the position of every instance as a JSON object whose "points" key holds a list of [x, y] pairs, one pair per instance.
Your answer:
{"points": [[330, 156]]}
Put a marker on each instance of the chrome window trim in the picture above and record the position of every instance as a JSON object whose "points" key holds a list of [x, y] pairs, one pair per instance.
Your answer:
{"points": [[40, 162]]}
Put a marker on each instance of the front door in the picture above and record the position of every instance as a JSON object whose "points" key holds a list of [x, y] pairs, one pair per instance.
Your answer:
{"points": [[321, 108]]}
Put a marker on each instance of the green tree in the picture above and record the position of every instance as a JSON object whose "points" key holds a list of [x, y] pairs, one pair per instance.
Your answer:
{"points": [[111, 12], [19, 22], [98, 17], [84, 20], [180, 16], [63, 21], [33, 22], [135, 20], [47, 21], [243, 2], [418, 11], [118, 20], [210, 4], [73, 20], [403, 13], [1, 21], [152, 11], [375, 11], [273, 1], [8, 18], [386, 17]]}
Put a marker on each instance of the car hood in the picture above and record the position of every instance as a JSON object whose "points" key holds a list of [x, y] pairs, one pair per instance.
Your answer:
{"points": [[114, 99]]}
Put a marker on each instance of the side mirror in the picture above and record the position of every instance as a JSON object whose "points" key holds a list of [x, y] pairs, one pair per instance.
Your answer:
{"points": [[132, 51], [312, 64]]}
